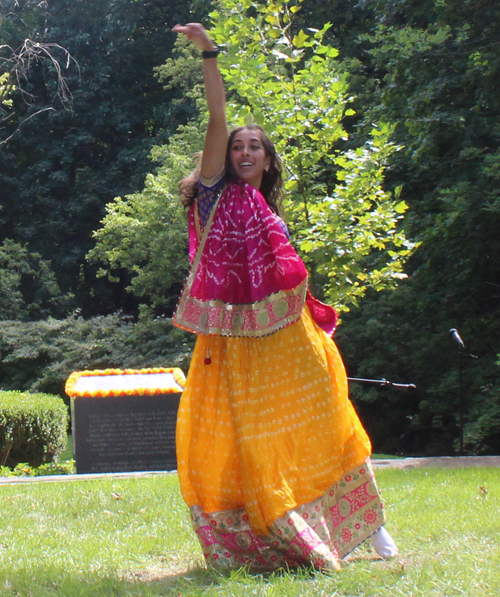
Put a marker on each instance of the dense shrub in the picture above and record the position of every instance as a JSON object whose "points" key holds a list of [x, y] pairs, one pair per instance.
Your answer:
{"points": [[33, 428], [39, 356], [49, 469]]}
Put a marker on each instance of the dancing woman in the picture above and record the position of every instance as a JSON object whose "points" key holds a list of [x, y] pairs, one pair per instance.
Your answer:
{"points": [[273, 461]]}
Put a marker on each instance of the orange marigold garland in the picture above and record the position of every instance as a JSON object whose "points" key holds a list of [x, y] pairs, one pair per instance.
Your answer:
{"points": [[175, 372]]}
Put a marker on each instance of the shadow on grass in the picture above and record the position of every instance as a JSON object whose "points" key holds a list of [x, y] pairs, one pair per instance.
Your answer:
{"points": [[200, 577], [52, 581], [162, 580]]}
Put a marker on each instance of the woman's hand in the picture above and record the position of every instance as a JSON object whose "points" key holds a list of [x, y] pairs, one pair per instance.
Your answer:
{"points": [[196, 33]]}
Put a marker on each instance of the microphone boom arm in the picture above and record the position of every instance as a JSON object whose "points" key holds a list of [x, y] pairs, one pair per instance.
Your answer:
{"points": [[384, 383]]}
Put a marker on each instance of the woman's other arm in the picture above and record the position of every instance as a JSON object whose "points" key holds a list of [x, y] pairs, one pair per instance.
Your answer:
{"points": [[214, 150]]}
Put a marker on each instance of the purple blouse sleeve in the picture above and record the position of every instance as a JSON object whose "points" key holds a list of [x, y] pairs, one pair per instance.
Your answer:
{"points": [[208, 191]]}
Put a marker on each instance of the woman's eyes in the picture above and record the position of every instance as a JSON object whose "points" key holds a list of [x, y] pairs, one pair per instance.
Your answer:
{"points": [[240, 147]]}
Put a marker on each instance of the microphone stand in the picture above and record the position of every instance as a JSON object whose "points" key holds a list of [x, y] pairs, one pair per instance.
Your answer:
{"points": [[461, 346], [461, 384]]}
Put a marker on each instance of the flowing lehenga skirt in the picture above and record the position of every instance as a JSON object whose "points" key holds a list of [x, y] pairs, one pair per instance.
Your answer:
{"points": [[272, 458]]}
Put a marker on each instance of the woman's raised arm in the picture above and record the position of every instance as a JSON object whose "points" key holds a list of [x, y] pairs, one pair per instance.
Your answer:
{"points": [[214, 150]]}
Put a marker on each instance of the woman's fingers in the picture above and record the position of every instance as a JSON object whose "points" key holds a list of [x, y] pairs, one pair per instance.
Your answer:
{"points": [[196, 33]]}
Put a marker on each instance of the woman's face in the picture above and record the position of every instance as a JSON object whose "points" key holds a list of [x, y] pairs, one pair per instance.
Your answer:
{"points": [[248, 157]]}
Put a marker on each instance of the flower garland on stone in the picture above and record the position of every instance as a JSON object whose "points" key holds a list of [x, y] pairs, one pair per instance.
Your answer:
{"points": [[177, 374]]}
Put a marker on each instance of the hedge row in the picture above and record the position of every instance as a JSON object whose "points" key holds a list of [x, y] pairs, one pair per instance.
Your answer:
{"points": [[39, 356], [33, 428]]}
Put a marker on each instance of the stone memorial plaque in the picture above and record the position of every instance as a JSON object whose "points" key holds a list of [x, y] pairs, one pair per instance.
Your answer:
{"points": [[122, 423]]}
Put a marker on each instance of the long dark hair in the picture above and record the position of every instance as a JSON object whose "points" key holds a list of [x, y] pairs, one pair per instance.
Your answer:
{"points": [[272, 181], [188, 187]]}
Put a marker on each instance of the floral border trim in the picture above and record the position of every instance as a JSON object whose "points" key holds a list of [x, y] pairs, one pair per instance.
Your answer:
{"points": [[319, 533], [75, 376], [243, 320]]}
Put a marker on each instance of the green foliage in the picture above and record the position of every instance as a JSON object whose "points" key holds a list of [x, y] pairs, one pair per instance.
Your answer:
{"points": [[343, 221], [395, 337], [64, 166], [431, 70], [182, 74], [482, 432], [23, 469], [145, 234], [40, 356], [28, 286], [5, 90], [33, 428], [428, 69]]}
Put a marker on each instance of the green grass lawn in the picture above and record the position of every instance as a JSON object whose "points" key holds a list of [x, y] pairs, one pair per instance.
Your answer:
{"points": [[132, 537]]}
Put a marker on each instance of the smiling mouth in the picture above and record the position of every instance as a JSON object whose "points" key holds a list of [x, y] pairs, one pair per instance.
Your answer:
{"points": [[245, 164]]}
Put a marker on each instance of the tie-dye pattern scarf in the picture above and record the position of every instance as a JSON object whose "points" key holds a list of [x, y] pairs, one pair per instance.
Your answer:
{"points": [[246, 279]]}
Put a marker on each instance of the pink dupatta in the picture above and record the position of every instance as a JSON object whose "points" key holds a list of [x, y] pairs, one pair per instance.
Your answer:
{"points": [[246, 279]]}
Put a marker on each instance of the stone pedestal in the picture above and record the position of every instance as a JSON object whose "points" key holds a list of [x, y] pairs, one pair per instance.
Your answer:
{"points": [[124, 421]]}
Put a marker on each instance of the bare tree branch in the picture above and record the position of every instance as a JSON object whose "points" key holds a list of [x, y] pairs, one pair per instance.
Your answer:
{"points": [[23, 122], [17, 64]]}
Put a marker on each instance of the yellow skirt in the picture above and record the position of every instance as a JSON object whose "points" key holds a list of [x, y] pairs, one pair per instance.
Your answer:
{"points": [[267, 426]]}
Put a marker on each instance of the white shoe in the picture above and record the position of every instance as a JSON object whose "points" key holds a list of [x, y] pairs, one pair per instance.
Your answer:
{"points": [[384, 544]]}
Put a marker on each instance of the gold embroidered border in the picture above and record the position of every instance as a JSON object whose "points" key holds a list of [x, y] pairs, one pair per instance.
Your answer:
{"points": [[278, 302]]}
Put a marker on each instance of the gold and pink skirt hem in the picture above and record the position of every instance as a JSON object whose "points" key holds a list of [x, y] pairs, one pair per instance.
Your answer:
{"points": [[318, 534]]}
